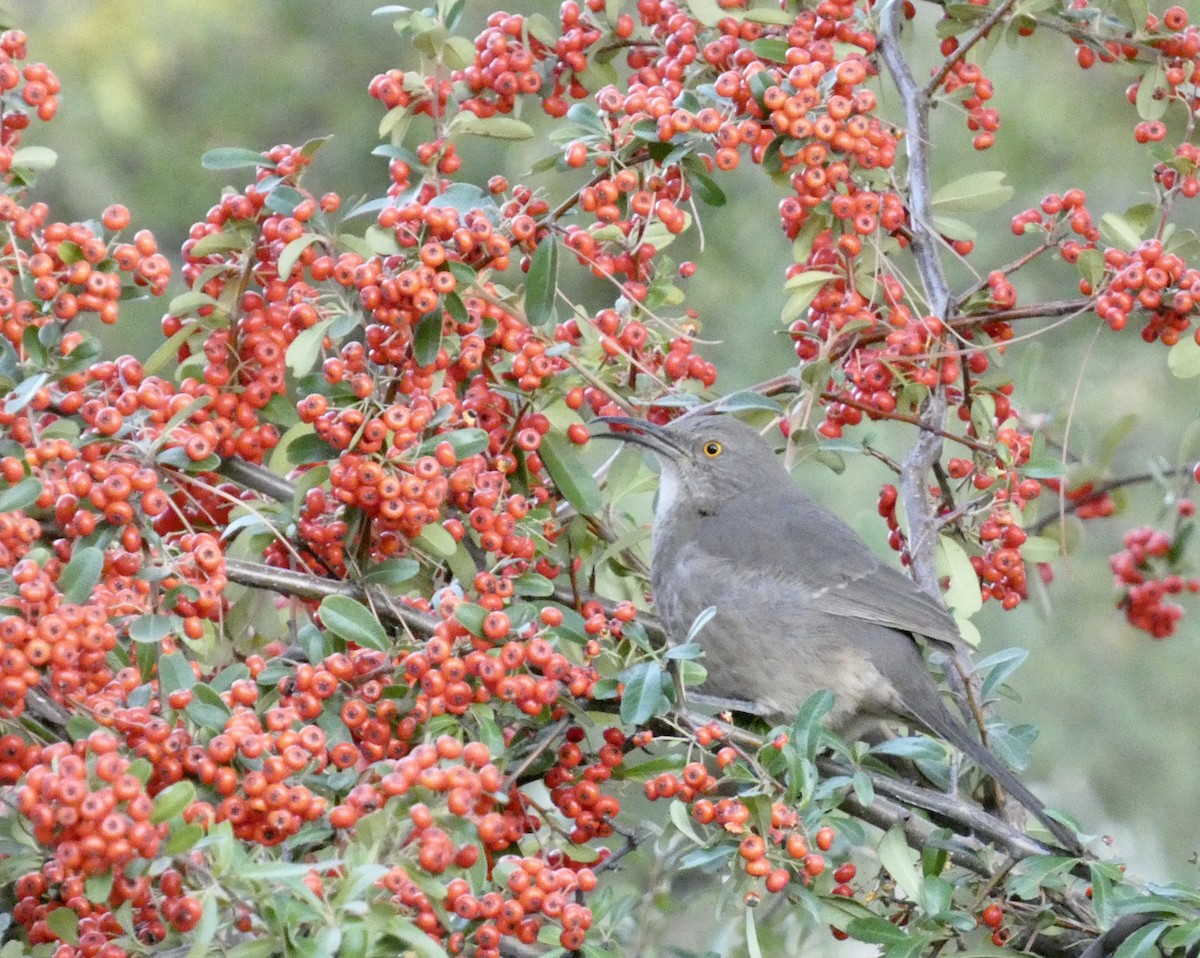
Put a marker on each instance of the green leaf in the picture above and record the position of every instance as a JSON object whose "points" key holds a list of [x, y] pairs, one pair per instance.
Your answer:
{"points": [[81, 575], [153, 628], [1120, 231], [974, 193], [206, 929], [223, 242], [470, 617], [353, 621], [182, 839], [1149, 106], [34, 158], [65, 924], [172, 800], [770, 48], [1142, 943], [23, 394], [706, 188], [746, 399], [954, 229], [1183, 359], [437, 541], [569, 474], [392, 571], [699, 623], [23, 494], [897, 858], [305, 349], [495, 127], [207, 709], [465, 442], [542, 283], [873, 930], [427, 338], [963, 597], [291, 253], [682, 820], [169, 349], [175, 673], [232, 158], [1045, 468], [643, 696], [1040, 549], [918, 748], [284, 199], [532, 584], [752, 945]]}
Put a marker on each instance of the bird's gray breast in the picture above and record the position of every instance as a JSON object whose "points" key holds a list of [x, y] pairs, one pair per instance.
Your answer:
{"points": [[767, 642]]}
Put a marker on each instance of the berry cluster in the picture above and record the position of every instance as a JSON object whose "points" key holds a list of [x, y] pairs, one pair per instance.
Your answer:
{"points": [[1144, 574]]}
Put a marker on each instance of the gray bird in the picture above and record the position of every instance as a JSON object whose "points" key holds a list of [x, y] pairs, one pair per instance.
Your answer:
{"points": [[802, 603]]}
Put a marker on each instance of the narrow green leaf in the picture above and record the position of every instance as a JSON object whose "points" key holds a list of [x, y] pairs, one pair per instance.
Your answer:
{"points": [[23, 394], [542, 283], [495, 127], [81, 575], [168, 351], [974, 193], [153, 628], [284, 199], [963, 596], [1142, 943], [392, 571], [917, 748], [232, 158], [291, 253], [1118, 230], [470, 617], [643, 695], [465, 442], [206, 929], [746, 399], [532, 584], [752, 945], [1149, 106], [172, 800], [897, 858], [223, 242], [305, 349], [34, 158], [353, 622], [1041, 549], [23, 494], [699, 623], [175, 673], [427, 338], [569, 474], [207, 709], [436, 540], [707, 189]]}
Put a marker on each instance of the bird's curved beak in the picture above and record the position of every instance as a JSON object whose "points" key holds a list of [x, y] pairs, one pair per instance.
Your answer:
{"points": [[648, 434]]}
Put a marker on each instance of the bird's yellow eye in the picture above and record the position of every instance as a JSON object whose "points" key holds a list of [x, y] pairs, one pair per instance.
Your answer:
{"points": [[712, 449]]}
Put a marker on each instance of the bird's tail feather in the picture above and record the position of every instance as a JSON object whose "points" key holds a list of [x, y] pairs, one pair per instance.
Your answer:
{"points": [[954, 732]]}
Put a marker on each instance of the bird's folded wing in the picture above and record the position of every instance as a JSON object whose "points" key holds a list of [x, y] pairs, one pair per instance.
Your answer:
{"points": [[840, 575]]}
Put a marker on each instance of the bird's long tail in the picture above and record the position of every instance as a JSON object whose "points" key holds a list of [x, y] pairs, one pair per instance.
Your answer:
{"points": [[947, 727]]}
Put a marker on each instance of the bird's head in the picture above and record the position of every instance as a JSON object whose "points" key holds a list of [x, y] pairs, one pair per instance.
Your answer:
{"points": [[704, 459]]}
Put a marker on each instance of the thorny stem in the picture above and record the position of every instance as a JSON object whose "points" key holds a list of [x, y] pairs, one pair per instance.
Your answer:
{"points": [[923, 527], [965, 46]]}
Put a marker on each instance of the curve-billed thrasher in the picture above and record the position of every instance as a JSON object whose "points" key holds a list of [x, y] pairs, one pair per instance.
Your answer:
{"points": [[802, 603]]}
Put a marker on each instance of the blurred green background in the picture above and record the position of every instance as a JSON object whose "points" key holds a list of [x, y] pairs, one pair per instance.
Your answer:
{"points": [[149, 87]]}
